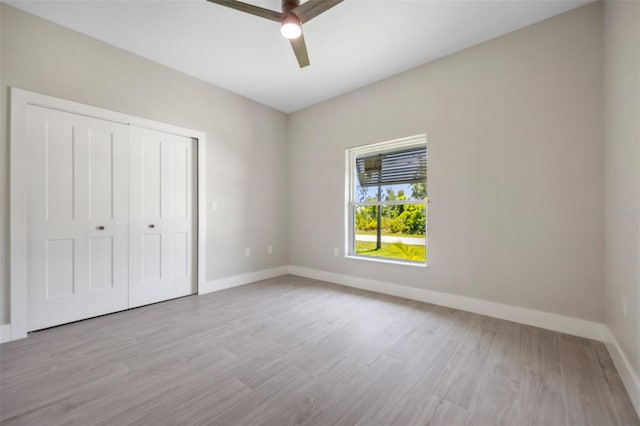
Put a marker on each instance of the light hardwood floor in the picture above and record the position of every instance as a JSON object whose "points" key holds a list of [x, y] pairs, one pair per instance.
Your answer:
{"points": [[296, 351]]}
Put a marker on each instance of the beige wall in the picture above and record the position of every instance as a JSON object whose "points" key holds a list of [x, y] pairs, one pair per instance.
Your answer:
{"points": [[514, 130], [515, 149], [622, 173], [246, 141], [4, 197]]}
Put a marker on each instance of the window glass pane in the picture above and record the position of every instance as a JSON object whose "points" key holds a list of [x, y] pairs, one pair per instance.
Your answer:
{"points": [[402, 228]]}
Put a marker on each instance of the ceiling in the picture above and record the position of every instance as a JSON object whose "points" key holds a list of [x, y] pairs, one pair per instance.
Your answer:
{"points": [[353, 44]]}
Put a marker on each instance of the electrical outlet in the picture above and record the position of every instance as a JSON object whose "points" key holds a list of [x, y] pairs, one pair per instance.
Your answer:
{"points": [[625, 307], [336, 252], [247, 252], [269, 249]]}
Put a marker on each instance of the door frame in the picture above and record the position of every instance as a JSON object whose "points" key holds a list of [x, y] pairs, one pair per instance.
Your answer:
{"points": [[19, 185]]}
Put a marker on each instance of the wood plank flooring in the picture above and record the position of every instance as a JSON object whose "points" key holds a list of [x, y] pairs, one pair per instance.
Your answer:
{"points": [[297, 351]]}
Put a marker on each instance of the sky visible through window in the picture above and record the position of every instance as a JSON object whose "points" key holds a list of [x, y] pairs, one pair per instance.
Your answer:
{"points": [[370, 193]]}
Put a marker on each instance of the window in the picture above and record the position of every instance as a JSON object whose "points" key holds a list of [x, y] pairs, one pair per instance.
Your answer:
{"points": [[387, 201]]}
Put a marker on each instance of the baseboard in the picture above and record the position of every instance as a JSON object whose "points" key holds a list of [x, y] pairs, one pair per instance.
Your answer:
{"points": [[629, 376], [546, 320], [5, 333], [242, 279]]}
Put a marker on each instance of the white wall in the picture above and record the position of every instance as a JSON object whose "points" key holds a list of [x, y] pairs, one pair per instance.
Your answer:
{"points": [[514, 130], [246, 152], [622, 173]]}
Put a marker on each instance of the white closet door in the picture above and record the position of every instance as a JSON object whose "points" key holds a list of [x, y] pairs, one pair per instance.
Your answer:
{"points": [[78, 217], [162, 223]]}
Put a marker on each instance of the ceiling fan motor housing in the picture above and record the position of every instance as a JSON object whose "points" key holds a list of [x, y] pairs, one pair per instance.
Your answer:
{"points": [[288, 5]]}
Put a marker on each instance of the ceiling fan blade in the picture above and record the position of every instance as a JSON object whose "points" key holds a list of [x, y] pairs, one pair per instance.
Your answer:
{"points": [[252, 9], [300, 49], [313, 8]]}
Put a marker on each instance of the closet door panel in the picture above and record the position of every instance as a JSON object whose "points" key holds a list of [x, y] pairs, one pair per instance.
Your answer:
{"points": [[78, 211], [161, 217]]}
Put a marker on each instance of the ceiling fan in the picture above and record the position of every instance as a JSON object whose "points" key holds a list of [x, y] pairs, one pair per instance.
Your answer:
{"points": [[291, 18]]}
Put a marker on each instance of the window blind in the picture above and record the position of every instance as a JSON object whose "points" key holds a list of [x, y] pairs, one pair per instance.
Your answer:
{"points": [[392, 168]]}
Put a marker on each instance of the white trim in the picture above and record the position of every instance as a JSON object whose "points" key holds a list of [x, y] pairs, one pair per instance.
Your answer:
{"points": [[19, 305], [18, 183], [242, 279], [626, 371], [5, 333], [385, 260], [391, 145], [546, 320]]}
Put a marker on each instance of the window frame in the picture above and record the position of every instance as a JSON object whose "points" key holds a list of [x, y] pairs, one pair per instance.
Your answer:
{"points": [[350, 204]]}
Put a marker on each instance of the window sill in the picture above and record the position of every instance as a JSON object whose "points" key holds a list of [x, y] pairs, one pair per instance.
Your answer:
{"points": [[381, 260]]}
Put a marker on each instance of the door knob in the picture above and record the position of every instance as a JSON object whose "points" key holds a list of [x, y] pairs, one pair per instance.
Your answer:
{"points": [[100, 228], [152, 226]]}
